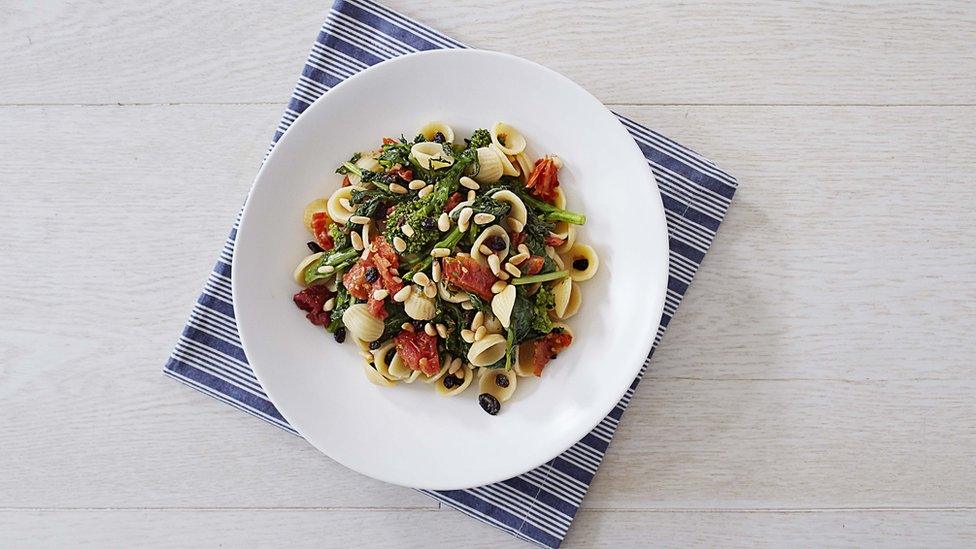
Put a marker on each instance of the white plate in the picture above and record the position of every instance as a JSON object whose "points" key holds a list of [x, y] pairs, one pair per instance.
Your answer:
{"points": [[408, 434]]}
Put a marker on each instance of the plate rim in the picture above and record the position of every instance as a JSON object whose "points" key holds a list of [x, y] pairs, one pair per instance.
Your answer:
{"points": [[650, 329]]}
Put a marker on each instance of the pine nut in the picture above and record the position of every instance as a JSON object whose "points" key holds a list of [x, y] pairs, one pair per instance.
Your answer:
{"points": [[435, 271], [444, 222], [495, 264], [365, 235], [517, 259], [471, 196], [365, 255], [464, 217], [485, 250], [498, 287], [421, 278], [397, 279], [454, 367], [422, 363], [379, 295], [398, 188], [522, 248], [407, 326], [430, 290], [441, 330], [467, 335], [359, 219], [478, 320], [483, 218], [467, 306], [480, 333], [399, 244], [556, 161], [516, 272], [440, 252], [417, 184], [344, 202], [329, 304], [407, 230], [429, 329], [470, 183], [326, 269], [515, 225], [425, 191], [357, 241], [502, 275], [368, 356], [402, 295]]}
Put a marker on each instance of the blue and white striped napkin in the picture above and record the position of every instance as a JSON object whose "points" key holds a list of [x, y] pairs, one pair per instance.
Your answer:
{"points": [[537, 506]]}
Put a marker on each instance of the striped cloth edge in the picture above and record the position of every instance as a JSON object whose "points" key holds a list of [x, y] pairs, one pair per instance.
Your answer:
{"points": [[538, 506]]}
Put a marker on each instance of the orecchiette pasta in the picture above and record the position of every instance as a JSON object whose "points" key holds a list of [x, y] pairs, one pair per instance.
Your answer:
{"points": [[340, 204], [445, 258], [492, 232], [582, 262], [487, 350], [508, 140], [497, 383], [361, 323], [431, 156], [431, 129]]}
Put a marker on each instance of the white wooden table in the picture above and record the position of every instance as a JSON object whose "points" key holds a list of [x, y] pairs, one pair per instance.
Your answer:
{"points": [[816, 387]]}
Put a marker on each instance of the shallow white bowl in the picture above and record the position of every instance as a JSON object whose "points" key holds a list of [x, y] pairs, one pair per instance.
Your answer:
{"points": [[408, 434]]}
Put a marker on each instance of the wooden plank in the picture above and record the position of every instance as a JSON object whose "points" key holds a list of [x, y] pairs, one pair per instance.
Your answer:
{"points": [[394, 529], [778, 385], [749, 52]]}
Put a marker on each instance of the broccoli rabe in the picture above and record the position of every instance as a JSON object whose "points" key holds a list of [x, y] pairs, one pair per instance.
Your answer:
{"points": [[342, 302], [552, 213], [350, 166], [480, 138], [486, 204], [421, 216], [397, 152], [339, 260], [544, 300], [340, 236]]}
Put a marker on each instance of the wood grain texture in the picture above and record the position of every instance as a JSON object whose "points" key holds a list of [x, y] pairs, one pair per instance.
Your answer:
{"points": [[814, 389], [446, 529], [746, 52]]}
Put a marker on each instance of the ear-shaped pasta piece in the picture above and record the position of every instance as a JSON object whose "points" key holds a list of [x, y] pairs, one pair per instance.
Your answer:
{"points": [[464, 372], [430, 129], [582, 262], [561, 292], [361, 324], [489, 166], [570, 235], [419, 307], [507, 167], [303, 265], [525, 166], [575, 300], [337, 211], [564, 327], [375, 378], [517, 211], [503, 303], [560, 200], [314, 207], [491, 231], [487, 350], [447, 295], [523, 360], [497, 383], [384, 358], [507, 139], [399, 369], [431, 156]]}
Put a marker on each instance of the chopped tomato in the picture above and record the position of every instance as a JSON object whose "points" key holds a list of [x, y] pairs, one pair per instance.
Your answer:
{"points": [[385, 261], [452, 201], [320, 228], [346, 182], [389, 141], [466, 273], [419, 351], [311, 300], [553, 240], [546, 349], [532, 265], [405, 174], [543, 181]]}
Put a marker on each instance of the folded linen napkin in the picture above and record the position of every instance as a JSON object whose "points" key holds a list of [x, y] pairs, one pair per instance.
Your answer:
{"points": [[537, 506]]}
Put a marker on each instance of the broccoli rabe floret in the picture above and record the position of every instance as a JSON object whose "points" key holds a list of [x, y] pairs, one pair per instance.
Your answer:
{"points": [[480, 138], [486, 204], [340, 237], [421, 215], [544, 300]]}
